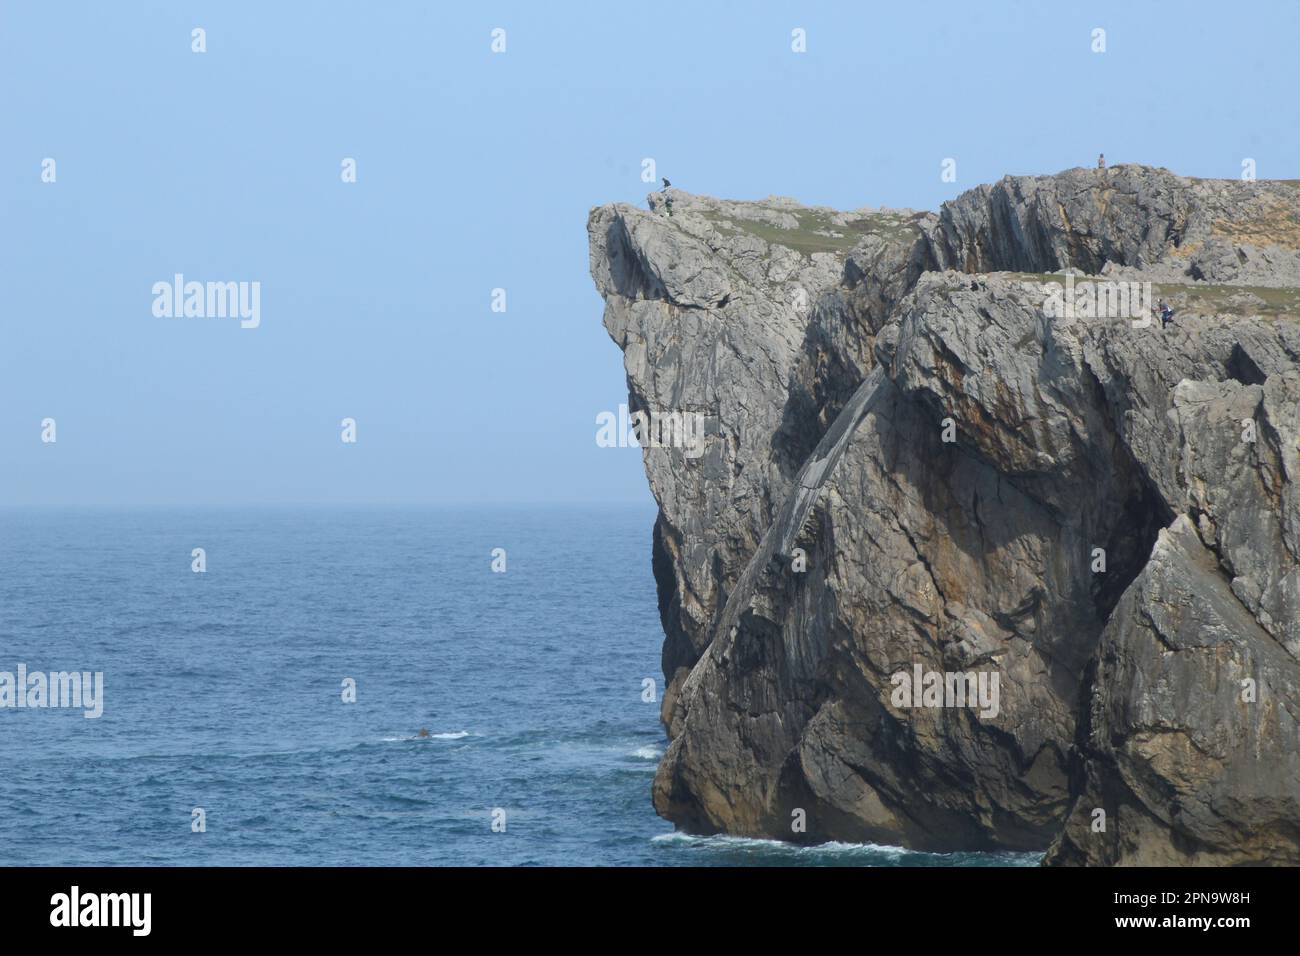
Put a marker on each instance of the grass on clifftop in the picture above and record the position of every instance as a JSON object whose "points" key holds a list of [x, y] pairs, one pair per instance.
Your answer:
{"points": [[1236, 300], [1200, 298], [818, 233]]}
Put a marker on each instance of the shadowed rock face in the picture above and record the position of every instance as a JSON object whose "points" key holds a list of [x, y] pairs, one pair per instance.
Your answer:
{"points": [[913, 466]]}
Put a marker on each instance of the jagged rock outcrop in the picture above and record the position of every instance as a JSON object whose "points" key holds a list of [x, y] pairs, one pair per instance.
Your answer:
{"points": [[758, 337], [917, 469], [1194, 751]]}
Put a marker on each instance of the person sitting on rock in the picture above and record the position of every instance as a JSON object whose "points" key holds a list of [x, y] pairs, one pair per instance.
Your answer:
{"points": [[1166, 314]]}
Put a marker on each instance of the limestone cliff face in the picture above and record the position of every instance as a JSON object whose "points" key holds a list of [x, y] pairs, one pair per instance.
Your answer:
{"points": [[914, 464]]}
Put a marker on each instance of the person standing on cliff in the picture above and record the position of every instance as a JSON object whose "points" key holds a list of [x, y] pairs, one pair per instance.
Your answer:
{"points": [[1101, 161]]}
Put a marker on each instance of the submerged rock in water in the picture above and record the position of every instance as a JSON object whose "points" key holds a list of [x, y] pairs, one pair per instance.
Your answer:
{"points": [[973, 551]]}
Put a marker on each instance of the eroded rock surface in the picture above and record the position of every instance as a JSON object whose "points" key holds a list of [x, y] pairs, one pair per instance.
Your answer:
{"points": [[914, 465]]}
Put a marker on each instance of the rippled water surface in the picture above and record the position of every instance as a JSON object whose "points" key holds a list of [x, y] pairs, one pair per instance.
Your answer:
{"points": [[222, 691]]}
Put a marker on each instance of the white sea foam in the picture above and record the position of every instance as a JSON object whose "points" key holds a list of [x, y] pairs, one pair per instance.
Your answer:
{"points": [[647, 753], [724, 842], [862, 850]]}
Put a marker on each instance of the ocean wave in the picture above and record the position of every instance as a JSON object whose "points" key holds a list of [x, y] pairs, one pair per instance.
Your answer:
{"points": [[726, 842], [834, 849], [451, 735], [647, 753]]}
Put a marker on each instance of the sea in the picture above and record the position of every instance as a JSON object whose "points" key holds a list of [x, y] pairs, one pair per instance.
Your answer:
{"points": [[348, 686]]}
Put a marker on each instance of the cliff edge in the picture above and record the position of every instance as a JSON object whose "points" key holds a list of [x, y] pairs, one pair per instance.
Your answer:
{"points": [[978, 550]]}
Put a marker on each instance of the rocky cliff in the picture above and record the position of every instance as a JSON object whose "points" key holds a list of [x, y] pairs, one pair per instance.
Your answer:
{"points": [[977, 552]]}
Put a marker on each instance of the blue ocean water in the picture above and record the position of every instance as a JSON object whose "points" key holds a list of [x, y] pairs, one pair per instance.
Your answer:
{"points": [[223, 691]]}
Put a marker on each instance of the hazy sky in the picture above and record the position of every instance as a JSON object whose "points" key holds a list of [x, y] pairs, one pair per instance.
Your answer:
{"points": [[476, 171]]}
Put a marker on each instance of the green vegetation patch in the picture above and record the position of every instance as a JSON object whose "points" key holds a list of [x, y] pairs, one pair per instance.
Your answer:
{"points": [[817, 232], [1198, 298]]}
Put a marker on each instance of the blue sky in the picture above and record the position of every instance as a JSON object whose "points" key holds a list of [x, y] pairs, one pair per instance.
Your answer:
{"points": [[476, 171]]}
